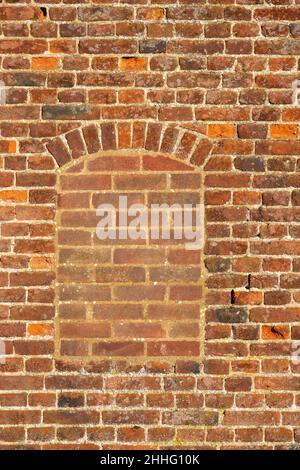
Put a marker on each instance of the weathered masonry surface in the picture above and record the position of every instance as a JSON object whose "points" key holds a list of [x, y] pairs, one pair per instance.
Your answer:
{"points": [[126, 298], [155, 97]]}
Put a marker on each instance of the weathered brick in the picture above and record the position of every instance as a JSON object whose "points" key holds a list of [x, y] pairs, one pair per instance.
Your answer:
{"points": [[62, 112], [232, 315], [152, 46]]}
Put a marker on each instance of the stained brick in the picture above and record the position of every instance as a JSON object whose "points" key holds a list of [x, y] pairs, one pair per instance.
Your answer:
{"points": [[152, 46]]}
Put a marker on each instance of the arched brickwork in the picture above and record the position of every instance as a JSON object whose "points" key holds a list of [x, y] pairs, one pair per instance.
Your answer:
{"points": [[188, 142], [129, 300]]}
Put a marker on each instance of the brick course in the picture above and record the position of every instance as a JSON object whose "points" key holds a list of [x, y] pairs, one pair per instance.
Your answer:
{"points": [[184, 88]]}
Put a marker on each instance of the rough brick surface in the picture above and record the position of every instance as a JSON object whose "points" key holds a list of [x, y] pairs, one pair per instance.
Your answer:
{"points": [[163, 88], [116, 297]]}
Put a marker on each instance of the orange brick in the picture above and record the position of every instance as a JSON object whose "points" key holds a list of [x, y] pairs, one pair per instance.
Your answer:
{"points": [[41, 262], [13, 196], [133, 64], [275, 332], [12, 146], [221, 130], [284, 131], [45, 63], [248, 298], [131, 96], [40, 329], [151, 14], [8, 146]]}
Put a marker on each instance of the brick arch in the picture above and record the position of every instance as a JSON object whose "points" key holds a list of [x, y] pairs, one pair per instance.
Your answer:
{"points": [[187, 143], [168, 150]]}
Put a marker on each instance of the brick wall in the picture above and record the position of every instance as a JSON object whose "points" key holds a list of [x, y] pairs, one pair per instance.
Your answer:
{"points": [[184, 88]]}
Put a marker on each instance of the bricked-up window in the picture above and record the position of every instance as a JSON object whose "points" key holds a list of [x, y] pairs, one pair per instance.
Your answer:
{"points": [[126, 299]]}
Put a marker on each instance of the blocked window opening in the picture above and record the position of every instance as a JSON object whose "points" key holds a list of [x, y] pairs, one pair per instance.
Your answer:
{"points": [[126, 299]]}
